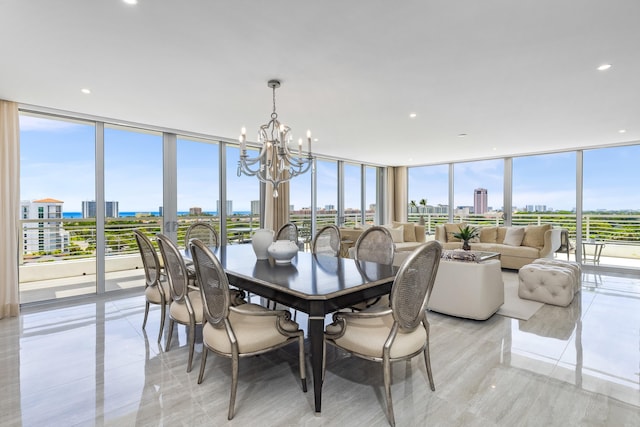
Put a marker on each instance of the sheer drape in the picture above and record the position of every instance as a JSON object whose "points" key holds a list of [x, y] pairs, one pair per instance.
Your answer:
{"points": [[9, 208], [396, 197], [276, 211]]}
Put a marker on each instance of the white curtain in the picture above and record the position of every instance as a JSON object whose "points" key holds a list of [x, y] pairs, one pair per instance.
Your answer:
{"points": [[9, 208], [401, 199], [276, 211], [396, 197]]}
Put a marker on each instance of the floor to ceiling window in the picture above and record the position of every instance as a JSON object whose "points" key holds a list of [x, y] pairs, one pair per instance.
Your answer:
{"points": [[544, 190], [57, 175], [478, 191], [300, 206], [428, 194], [133, 183], [352, 210], [371, 175], [198, 183], [327, 192], [242, 206], [611, 202]]}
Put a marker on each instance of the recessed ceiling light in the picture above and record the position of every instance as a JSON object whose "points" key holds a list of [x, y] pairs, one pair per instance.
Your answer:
{"points": [[130, 1], [86, 91], [315, 140], [413, 115], [462, 135], [494, 148], [622, 131], [604, 67]]}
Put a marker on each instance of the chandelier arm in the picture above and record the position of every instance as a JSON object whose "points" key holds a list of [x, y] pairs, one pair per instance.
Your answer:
{"points": [[276, 162]]}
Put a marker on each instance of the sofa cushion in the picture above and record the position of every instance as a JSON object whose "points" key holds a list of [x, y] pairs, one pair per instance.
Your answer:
{"points": [[420, 233], [502, 231], [451, 229], [397, 233], [409, 230], [488, 234], [514, 236], [407, 246], [534, 235]]}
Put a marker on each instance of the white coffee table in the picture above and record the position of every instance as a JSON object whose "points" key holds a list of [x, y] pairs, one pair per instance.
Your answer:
{"points": [[473, 290]]}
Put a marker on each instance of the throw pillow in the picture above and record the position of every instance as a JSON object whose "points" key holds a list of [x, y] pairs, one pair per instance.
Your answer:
{"points": [[488, 234], [534, 235], [451, 229], [409, 230], [397, 233], [514, 236]]}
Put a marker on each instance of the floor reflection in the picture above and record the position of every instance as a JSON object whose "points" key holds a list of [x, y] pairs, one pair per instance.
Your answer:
{"points": [[88, 362]]}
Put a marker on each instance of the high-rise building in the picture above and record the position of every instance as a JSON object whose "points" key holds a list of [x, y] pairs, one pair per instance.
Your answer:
{"points": [[43, 236], [195, 211], [229, 207], [255, 207], [110, 209], [480, 201]]}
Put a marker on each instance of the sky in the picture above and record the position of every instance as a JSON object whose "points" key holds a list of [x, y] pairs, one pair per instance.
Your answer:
{"points": [[58, 161], [610, 181]]}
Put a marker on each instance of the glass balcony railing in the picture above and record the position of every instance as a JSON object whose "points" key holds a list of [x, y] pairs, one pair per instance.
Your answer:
{"points": [[65, 249]]}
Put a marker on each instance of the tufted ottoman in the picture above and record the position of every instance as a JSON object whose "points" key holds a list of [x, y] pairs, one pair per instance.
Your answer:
{"points": [[549, 281]]}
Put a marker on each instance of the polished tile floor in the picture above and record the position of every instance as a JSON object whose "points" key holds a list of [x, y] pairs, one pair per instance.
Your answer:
{"points": [[88, 362]]}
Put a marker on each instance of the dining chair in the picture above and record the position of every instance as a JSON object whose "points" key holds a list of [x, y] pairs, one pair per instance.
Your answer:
{"points": [[393, 334], [289, 231], [236, 332], [375, 244], [202, 231], [156, 291], [327, 241], [186, 304]]}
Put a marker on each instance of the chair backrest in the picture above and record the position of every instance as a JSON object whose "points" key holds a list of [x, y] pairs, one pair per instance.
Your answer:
{"points": [[149, 257], [204, 232], [213, 282], [375, 244], [288, 231], [175, 267], [327, 241], [413, 284]]}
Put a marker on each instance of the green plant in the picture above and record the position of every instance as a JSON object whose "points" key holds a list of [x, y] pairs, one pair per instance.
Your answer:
{"points": [[466, 233]]}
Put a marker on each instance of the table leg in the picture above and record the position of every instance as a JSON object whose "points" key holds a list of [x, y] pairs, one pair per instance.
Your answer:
{"points": [[316, 336]]}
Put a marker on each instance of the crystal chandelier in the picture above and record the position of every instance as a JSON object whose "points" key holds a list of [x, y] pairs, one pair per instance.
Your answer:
{"points": [[276, 162]]}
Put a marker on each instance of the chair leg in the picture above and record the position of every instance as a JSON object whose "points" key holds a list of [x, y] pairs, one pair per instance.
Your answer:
{"points": [[192, 345], [234, 384], [163, 313], [203, 362], [146, 314], [303, 375], [387, 388], [427, 361], [168, 344]]}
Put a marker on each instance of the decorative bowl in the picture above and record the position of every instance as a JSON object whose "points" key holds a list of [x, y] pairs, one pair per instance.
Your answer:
{"points": [[282, 251]]}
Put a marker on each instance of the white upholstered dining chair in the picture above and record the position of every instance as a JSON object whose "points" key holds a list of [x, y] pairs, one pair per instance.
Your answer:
{"points": [[186, 304], [399, 332], [156, 291], [242, 331], [327, 241]]}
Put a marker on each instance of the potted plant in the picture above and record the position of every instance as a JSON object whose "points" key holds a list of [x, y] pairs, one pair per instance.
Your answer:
{"points": [[465, 234]]}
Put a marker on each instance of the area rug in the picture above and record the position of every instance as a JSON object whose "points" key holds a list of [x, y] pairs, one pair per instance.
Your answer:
{"points": [[513, 305]]}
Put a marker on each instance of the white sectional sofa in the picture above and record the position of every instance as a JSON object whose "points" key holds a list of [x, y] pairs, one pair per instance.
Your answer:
{"points": [[537, 241]]}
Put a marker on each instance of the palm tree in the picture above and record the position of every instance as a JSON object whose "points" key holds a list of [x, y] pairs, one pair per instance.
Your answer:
{"points": [[423, 203], [413, 207]]}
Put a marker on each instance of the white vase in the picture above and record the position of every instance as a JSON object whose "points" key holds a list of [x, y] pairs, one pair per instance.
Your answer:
{"points": [[282, 251], [260, 241]]}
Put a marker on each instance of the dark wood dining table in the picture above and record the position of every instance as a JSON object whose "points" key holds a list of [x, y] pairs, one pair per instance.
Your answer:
{"points": [[313, 284]]}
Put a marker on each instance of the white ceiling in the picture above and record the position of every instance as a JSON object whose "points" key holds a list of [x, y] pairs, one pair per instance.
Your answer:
{"points": [[515, 76]]}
